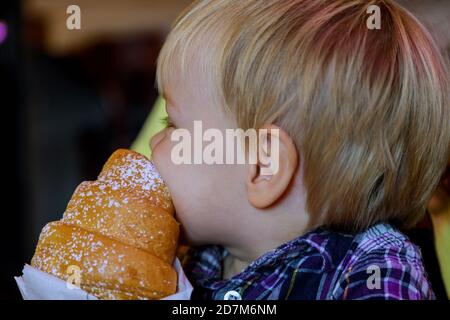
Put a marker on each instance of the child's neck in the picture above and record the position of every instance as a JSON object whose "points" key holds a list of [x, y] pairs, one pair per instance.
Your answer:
{"points": [[246, 246], [239, 258], [232, 266]]}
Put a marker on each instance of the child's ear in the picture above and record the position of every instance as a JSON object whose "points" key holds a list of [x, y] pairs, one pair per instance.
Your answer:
{"points": [[276, 166]]}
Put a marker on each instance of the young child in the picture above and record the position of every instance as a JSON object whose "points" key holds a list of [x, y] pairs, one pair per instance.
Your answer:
{"points": [[364, 122]]}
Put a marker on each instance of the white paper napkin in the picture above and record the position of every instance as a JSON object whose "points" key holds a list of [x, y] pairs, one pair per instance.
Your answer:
{"points": [[37, 285]]}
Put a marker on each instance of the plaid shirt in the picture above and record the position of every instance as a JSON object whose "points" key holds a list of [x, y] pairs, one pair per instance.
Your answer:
{"points": [[380, 263]]}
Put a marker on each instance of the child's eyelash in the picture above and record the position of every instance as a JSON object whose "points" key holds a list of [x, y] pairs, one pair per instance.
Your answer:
{"points": [[167, 122]]}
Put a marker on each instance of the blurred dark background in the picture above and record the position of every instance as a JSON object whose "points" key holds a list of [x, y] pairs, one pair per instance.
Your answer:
{"points": [[70, 98]]}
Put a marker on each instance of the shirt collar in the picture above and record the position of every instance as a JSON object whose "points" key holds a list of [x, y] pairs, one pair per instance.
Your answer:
{"points": [[205, 264]]}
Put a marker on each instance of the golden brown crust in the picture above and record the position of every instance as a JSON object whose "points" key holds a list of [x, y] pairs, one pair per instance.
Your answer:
{"points": [[119, 230], [124, 216], [106, 265]]}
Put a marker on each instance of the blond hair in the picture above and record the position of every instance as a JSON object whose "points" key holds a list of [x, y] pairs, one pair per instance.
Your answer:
{"points": [[367, 109]]}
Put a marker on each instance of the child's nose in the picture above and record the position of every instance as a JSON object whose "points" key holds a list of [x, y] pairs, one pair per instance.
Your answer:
{"points": [[157, 138]]}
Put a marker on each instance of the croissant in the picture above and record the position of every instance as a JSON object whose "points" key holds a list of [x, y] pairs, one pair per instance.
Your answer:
{"points": [[119, 231]]}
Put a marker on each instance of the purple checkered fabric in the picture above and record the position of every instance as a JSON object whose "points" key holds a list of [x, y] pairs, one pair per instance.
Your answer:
{"points": [[380, 263]]}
